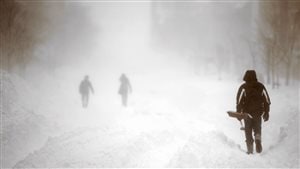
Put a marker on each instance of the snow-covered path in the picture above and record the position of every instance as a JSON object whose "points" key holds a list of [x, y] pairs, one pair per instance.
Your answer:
{"points": [[178, 122]]}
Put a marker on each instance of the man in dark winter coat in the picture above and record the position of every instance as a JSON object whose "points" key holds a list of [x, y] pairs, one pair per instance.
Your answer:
{"points": [[84, 89], [253, 99]]}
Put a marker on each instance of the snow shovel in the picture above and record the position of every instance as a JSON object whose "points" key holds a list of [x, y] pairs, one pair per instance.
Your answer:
{"points": [[242, 126], [239, 116]]}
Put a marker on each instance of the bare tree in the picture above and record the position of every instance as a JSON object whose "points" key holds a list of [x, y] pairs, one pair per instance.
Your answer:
{"points": [[20, 31], [278, 33]]}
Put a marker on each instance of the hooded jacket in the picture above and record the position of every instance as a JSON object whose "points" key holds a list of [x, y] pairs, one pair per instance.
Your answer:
{"points": [[252, 96]]}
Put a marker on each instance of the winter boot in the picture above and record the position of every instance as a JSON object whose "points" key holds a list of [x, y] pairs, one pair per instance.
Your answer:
{"points": [[249, 147], [258, 146], [258, 143]]}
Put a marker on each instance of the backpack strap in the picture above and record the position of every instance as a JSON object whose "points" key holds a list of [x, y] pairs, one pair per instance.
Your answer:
{"points": [[240, 94], [267, 95]]}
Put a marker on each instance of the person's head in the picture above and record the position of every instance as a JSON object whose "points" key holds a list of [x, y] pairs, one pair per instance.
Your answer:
{"points": [[123, 76], [250, 76], [86, 77]]}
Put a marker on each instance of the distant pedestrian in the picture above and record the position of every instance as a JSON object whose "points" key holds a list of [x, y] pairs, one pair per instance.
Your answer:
{"points": [[125, 89], [84, 89], [253, 100]]}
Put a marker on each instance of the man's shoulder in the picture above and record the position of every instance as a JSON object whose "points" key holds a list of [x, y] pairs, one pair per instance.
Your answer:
{"points": [[260, 84], [252, 84], [243, 85]]}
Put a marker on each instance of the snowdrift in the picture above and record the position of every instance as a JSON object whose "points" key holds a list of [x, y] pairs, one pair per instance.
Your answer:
{"points": [[178, 122], [216, 150], [23, 129]]}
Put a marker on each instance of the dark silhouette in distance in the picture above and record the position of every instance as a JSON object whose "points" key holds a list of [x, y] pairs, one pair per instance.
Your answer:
{"points": [[253, 99], [84, 89], [125, 89]]}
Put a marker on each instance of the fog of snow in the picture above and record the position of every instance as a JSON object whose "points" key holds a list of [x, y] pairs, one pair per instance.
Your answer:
{"points": [[174, 118]]}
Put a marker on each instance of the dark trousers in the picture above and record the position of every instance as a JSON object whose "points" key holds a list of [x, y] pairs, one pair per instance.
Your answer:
{"points": [[253, 125], [124, 100], [85, 99]]}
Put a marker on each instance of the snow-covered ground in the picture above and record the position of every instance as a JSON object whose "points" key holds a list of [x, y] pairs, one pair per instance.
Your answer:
{"points": [[173, 120]]}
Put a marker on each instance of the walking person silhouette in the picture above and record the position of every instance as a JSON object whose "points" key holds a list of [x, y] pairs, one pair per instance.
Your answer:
{"points": [[84, 89], [253, 100], [125, 89]]}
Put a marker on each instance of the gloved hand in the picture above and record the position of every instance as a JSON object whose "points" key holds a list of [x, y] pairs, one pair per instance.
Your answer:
{"points": [[266, 116], [239, 119]]}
